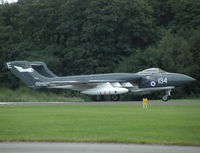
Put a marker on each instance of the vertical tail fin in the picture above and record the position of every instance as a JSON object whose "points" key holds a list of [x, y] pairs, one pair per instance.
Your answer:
{"points": [[30, 72]]}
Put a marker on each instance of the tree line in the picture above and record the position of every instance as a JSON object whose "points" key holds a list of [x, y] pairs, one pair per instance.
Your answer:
{"points": [[100, 36]]}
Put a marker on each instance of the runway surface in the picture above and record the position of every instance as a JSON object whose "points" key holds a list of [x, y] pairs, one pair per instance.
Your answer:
{"points": [[43, 147], [102, 103]]}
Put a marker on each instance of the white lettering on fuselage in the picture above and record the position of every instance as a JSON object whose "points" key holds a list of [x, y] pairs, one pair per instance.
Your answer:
{"points": [[9, 65], [162, 80]]}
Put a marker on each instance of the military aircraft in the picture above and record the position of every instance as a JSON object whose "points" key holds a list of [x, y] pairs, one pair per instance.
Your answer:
{"points": [[37, 75]]}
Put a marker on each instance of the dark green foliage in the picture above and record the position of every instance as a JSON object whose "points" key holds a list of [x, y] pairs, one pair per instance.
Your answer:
{"points": [[99, 36], [176, 14], [102, 31]]}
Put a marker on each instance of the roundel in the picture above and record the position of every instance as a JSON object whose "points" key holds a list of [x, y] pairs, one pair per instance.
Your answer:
{"points": [[153, 83]]}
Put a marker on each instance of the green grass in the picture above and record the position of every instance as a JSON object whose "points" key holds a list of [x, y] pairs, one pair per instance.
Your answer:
{"points": [[159, 124], [24, 94]]}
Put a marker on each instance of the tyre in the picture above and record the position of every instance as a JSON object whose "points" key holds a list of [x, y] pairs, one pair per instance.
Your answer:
{"points": [[165, 98], [115, 97]]}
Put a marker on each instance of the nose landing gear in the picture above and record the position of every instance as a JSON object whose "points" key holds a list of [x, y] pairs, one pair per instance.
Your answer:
{"points": [[166, 97]]}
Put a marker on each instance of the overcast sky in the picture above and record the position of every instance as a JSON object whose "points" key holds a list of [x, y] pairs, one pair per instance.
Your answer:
{"points": [[9, 1]]}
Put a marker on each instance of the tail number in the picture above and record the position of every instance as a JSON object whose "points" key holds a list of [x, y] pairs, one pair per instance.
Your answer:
{"points": [[162, 80], [9, 65]]}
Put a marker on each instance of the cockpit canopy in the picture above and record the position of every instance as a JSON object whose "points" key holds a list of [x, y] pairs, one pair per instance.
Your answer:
{"points": [[152, 70]]}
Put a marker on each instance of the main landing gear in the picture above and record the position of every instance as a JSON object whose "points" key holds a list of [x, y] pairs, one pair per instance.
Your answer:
{"points": [[99, 98], [115, 97], [103, 98], [166, 97]]}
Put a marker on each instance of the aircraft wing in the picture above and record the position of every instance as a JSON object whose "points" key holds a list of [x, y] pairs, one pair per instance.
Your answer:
{"points": [[86, 81], [63, 83], [83, 82]]}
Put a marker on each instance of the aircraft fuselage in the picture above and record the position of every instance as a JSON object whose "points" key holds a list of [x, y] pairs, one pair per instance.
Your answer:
{"points": [[37, 75]]}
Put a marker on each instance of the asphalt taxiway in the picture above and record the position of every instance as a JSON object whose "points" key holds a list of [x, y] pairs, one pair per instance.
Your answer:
{"points": [[103, 102], [48, 147]]}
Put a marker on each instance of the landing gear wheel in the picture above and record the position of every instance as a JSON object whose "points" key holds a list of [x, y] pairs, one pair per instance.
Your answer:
{"points": [[115, 97], [165, 98]]}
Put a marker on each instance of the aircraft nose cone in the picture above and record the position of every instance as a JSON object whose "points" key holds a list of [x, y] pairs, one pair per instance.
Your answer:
{"points": [[189, 79], [192, 79], [186, 79]]}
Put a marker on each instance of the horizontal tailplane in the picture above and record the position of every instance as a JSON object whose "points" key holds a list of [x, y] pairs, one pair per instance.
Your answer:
{"points": [[30, 72]]}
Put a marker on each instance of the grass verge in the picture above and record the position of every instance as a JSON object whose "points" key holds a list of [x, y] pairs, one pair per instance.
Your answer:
{"points": [[29, 95], [159, 124]]}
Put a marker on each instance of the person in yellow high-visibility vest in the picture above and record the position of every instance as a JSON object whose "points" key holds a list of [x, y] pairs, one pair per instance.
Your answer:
{"points": [[145, 102]]}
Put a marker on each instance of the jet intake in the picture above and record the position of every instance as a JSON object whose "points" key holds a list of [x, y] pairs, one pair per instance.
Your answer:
{"points": [[127, 85]]}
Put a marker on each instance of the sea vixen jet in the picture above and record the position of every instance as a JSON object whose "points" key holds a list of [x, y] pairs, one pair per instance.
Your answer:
{"points": [[37, 75]]}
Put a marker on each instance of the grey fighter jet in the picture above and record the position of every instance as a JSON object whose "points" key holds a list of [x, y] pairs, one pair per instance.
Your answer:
{"points": [[37, 75]]}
